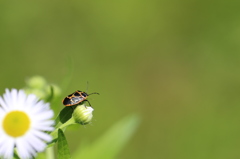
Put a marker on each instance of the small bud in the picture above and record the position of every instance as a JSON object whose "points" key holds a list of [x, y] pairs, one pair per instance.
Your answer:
{"points": [[57, 90], [39, 86], [36, 82], [83, 114], [37, 92]]}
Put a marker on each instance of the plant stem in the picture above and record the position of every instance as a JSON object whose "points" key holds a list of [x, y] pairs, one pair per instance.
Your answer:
{"points": [[50, 153], [71, 121]]}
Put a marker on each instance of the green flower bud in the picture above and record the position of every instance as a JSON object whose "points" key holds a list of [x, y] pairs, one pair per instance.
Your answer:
{"points": [[37, 92], [36, 82], [56, 92], [39, 86], [82, 114]]}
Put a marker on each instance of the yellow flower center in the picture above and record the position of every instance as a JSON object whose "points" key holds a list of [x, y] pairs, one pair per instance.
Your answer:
{"points": [[16, 123]]}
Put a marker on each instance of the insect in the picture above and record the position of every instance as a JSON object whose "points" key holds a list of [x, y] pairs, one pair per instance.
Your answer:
{"points": [[76, 98]]}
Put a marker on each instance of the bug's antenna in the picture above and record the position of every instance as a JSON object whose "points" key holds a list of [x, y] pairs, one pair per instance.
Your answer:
{"points": [[87, 86], [94, 93]]}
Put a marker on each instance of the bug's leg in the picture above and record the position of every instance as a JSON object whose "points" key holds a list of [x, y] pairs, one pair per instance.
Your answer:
{"points": [[88, 103]]}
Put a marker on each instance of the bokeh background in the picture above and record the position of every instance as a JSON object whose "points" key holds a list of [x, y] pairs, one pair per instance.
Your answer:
{"points": [[175, 63]]}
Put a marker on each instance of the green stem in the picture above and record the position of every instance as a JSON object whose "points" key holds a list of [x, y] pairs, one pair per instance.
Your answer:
{"points": [[50, 153], [54, 134]]}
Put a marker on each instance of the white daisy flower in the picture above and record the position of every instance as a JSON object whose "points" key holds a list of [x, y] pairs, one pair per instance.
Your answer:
{"points": [[23, 120]]}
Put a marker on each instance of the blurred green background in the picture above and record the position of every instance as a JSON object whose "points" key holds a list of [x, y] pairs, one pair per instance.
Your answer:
{"points": [[175, 63]]}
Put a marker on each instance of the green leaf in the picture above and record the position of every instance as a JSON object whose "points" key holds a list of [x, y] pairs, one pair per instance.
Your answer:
{"points": [[64, 115], [63, 149], [50, 96], [111, 143]]}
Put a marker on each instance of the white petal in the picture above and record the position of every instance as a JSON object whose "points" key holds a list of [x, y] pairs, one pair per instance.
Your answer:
{"points": [[41, 135], [44, 116], [2, 103], [21, 98], [14, 97], [35, 142], [44, 126], [32, 99], [25, 150], [39, 107], [7, 98], [7, 147]]}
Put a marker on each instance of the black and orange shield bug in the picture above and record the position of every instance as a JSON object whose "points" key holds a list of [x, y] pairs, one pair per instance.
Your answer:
{"points": [[76, 98]]}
